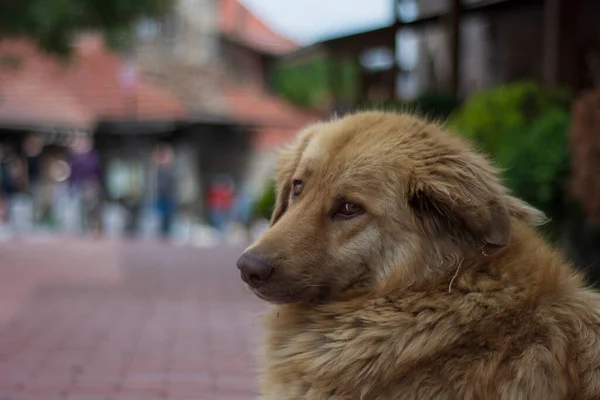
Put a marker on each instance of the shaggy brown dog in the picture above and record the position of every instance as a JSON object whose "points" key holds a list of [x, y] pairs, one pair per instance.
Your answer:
{"points": [[400, 268]]}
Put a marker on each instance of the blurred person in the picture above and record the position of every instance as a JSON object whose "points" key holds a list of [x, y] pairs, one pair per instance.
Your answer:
{"points": [[57, 190], [13, 174], [220, 199], [3, 188], [165, 187], [86, 182], [243, 207], [32, 150], [133, 204]]}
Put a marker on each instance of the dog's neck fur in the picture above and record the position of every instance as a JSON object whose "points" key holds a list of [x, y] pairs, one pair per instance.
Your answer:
{"points": [[519, 264], [313, 337]]}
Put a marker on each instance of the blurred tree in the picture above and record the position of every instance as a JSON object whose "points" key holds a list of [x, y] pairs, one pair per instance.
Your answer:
{"points": [[52, 23], [263, 207], [307, 84]]}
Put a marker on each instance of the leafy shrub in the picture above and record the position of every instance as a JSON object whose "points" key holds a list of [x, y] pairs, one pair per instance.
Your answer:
{"points": [[524, 128], [501, 115], [539, 162], [306, 84], [263, 207]]}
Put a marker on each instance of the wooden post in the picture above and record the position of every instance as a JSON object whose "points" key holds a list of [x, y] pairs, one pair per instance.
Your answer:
{"points": [[551, 42], [559, 57], [394, 41], [455, 20]]}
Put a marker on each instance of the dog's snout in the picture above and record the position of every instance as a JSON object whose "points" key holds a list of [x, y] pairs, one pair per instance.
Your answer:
{"points": [[255, 268]]}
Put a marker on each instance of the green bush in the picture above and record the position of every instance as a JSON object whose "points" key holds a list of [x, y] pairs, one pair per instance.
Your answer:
{"points": [[307, 84], [524, 129], [499, 116], [539, 161], [263, 207]]}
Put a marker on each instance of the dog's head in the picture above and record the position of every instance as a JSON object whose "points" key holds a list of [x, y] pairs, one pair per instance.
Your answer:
{"points": [[372, 197]]}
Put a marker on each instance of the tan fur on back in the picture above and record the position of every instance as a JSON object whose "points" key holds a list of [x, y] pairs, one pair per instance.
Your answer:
{"points": [[441, 290]]}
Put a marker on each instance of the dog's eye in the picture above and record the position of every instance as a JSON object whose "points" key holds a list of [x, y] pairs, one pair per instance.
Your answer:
{"points": [[297, 187], [348, 210]]}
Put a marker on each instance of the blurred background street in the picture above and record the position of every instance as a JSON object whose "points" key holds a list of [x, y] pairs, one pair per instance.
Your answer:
{"points": [[96, 319], [137, 149]]}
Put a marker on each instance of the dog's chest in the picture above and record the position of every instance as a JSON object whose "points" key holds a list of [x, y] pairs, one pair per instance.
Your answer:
{"points": [[351, 358], [389, 354]]}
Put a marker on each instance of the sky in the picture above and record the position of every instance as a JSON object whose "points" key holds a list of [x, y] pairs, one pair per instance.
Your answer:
{"points": [[309, 21]]}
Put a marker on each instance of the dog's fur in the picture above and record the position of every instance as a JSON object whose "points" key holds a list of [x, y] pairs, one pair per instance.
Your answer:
{"points": [[440, 289]]}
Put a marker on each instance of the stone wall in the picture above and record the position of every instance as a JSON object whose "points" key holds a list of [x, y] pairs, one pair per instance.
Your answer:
{"points": [[188, 36]]}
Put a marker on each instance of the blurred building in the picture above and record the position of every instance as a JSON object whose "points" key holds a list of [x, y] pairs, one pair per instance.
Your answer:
{"points": [[462, 46], [199, 78], [218, 58]]}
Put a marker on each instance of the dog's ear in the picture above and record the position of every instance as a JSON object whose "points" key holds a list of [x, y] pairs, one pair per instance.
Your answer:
{"points": [[459, 194], [286, 166]]}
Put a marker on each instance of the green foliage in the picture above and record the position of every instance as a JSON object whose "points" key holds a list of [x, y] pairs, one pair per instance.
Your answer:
{"points": [[524, 128], [538, 163], [263, 207], [302, 84], [52, 23], [308, 84], [498, 116]]}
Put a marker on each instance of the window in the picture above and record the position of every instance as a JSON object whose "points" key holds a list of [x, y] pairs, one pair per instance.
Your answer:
{"points": [[147, 29], [377, 59]]}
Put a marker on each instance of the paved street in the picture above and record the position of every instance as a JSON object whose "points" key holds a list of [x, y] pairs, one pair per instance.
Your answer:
{"points": [[101, 320]]}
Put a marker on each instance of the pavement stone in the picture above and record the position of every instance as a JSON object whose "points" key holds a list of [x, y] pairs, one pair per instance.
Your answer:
{"points": [[99, 319]]}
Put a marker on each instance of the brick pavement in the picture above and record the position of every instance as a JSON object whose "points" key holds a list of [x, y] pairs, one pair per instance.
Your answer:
{"points": [[100, 320]]}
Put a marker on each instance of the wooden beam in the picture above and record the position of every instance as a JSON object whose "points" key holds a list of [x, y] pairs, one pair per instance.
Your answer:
{"points": [[381, 35], [559, 52], [396, 64], [356, 43], [455, 20]]}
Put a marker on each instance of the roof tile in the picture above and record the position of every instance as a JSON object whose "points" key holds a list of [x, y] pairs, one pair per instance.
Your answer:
{"points": [[240, 25], [45, 91]]}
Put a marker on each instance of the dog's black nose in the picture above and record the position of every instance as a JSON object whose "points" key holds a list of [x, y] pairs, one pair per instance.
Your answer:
{"points": [[255, 268]]}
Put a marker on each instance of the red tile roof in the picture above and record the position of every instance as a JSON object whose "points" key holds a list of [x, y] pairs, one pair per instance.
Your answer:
{"points": [[276, 121], [250, 105], [94, 76], [270, 138], [41, 90], [27, 99], [240, 25]]}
